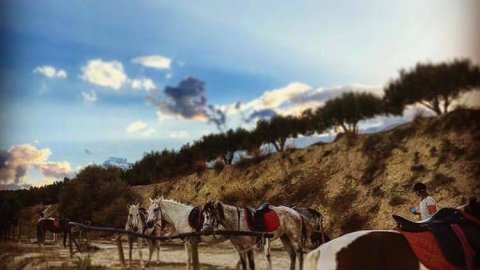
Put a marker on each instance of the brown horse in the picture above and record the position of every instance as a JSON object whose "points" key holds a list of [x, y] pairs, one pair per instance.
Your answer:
{"points": [[54, 226], [383, 249]]}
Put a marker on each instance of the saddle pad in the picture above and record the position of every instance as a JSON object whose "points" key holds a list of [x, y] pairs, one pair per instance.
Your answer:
{"points": [[428, 251], [270, 222], [56, 223], [195, 218]]}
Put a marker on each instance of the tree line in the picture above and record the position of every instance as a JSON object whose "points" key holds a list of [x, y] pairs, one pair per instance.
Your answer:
{"points": [[97, 189]]}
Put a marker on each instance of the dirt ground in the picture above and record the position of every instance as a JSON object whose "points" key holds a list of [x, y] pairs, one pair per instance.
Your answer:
{"points": [[29, 255]]}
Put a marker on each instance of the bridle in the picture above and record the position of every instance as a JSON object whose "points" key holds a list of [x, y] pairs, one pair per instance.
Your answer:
{"points": [[214, 220]]}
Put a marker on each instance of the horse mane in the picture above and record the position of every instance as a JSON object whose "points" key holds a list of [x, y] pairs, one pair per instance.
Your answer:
{"points": [[173, 202]]}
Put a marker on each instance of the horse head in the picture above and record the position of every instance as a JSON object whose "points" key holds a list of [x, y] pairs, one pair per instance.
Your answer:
{"points": [[154, 212], [136, 218], [213, 214]]}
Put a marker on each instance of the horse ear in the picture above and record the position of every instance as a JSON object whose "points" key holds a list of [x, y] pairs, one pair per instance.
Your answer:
{"points": [[219, 207]]}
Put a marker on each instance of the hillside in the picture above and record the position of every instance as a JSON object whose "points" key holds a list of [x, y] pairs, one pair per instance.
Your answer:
{"points": [[356, 182]]}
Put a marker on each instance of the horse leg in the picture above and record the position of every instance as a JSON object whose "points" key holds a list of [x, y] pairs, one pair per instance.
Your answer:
{"points": [[157, 246], [64, 239], [139, 244], [243, 259], [268, 255], [290, 250], [251, 259]]}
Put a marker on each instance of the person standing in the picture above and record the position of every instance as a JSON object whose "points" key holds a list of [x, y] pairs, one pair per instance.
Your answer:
{"points": [[427, 206]]}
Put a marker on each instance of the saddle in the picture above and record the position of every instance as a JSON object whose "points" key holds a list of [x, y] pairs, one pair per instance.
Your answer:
{"points": [[195, 218], [262, 219], [442, 226]]}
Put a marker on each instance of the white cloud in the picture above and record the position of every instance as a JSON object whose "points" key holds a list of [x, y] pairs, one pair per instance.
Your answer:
{"points": [[107, 74], [89, 97], [295, 98], [178, 134], [136, 126], [18, 159], [55, 169], [51, 72], [149, 132], [153, 61], [142, 83]]}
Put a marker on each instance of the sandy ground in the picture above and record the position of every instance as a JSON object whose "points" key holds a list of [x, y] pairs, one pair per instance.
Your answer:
{"points": [[29, 255]]}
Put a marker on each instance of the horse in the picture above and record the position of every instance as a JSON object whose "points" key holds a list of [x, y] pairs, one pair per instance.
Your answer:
{"points": [[52, 225], [137, 222], [176, 214], [380, 249], [293, 230], [318, 235]]}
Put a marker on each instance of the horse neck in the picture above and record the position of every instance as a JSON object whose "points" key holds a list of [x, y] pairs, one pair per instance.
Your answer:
{"points": [[176, 214], [231, 218]]}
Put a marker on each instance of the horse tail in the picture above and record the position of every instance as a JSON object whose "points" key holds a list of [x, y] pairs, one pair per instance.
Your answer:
{"points": [[322, 231], [311, 260], [303, 232]]}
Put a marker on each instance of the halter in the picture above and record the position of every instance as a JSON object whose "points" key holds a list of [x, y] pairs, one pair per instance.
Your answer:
{"points": [[215, 221], [157, 217]]}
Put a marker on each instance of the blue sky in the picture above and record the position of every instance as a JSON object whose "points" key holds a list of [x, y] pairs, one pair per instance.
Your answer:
{"points": [[87, 80]]}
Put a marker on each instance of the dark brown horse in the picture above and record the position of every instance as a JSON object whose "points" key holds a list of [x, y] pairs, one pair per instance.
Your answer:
{"points": [[52, 225], [383, 249]]}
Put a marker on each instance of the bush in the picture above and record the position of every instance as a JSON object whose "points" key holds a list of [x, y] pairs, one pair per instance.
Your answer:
{"points": [[440, 180], [397, 200], [353, 222], [218, 166], [96, 194]]}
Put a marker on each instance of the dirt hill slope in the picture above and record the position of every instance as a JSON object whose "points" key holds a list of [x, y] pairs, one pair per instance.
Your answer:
{"points": [[356, 182]]}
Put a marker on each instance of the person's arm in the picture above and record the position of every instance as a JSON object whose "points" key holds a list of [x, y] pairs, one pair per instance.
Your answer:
{"points": [[432, 209], [431, 205]]}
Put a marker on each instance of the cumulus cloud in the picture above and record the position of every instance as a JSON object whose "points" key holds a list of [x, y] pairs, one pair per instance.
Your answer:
{"points": [[188, 100], [153, 61], [55, 169], [89, 97], [51, 72], [142, 83], [292, 99], [104, 73], [15, 162], [136, 126]]}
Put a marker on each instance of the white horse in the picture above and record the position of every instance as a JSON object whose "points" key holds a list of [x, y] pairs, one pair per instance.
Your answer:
{"points": [[136, 222], [293, 231], [388, 249], [176, 214]]}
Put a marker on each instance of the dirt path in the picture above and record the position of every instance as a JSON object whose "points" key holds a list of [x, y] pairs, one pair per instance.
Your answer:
{"points": [[14, 255]]}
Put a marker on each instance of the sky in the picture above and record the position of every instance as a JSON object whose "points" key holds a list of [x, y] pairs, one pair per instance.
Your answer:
{"points": [[84, 81]]}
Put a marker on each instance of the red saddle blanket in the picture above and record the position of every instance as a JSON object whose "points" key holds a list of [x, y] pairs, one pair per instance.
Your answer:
{"points": [[428, 251], [56, 223], [271, 222]]}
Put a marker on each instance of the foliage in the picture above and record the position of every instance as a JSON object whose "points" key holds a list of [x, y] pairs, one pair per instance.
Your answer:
{"points": [[278, 129], [433, 85], [96, 194], [349, 109]]}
